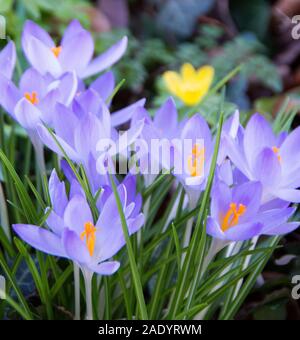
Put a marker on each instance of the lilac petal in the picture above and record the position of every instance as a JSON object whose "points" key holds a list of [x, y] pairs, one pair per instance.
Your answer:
{"points": [[130, 184], [57, 193], [67, 87], [104, 85], [71, 31], [77, 213], [290, 153], [122, 116], [225, 172], [109, 211], [197, 128], [33, 30], [231, 126], [47, 106], [273, 218], [33, 81], [62, 117], [87, 135], [267, 168], [258, 135], [27, 114], [75, 248], [77, 52], [221, 199], [213, 229], [42, 58], [243, 232], [9, 95], [105, 268], [290, 195], [284, 228], [50, 142], [55, 223], [8, 60], [105, 118], [167, 116], [136, 223], [89, 101], [106, 59], [40, 239], [236, 155], [249, 194]]}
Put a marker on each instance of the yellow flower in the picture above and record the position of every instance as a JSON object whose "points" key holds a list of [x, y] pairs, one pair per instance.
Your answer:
{"points": [[189, 85]]}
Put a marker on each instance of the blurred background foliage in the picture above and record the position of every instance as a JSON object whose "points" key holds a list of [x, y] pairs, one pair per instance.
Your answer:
{"points": [[163, 34]]}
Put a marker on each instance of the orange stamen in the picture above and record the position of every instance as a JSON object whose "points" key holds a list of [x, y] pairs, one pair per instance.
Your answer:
{"points": [[276, 151], [56, 50], [196, 161], [232, 216], [89, 234], [32, 97]]}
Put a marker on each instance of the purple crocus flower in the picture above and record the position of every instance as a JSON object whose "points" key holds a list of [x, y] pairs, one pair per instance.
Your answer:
{"points": [[237, 213], [8, 60], [73, 234], [36, 96], [192, 158], [163, 128], [74, 53], [89, 123], [273, 160]]}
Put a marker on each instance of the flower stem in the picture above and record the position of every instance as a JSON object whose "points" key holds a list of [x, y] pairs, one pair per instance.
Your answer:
{"points": [[88, 293], [77, 291]]}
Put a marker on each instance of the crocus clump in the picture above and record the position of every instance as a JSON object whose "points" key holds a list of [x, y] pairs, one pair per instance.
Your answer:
{"points": [[245, 179]]}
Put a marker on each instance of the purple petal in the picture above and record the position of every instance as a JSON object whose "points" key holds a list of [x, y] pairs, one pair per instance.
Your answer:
{"points": [[104, 85], [273, 218], [267, 168], [67, 87], [77, 52], [33, 81], [106, 59], [41, 57], [258, 135], [50, 142], [8, 60], [71, 31], [213, 229], [75, 248], [9, 95], [40, 239], [55, 223], [249, 194], [105, 268], [284, 228], [290, 153], [77, 213], [243, 232], [27, 114], [122, 116], [57, 192], [166, 118], [33, 30], [221, 199], [62, 117], [290, 195]]}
